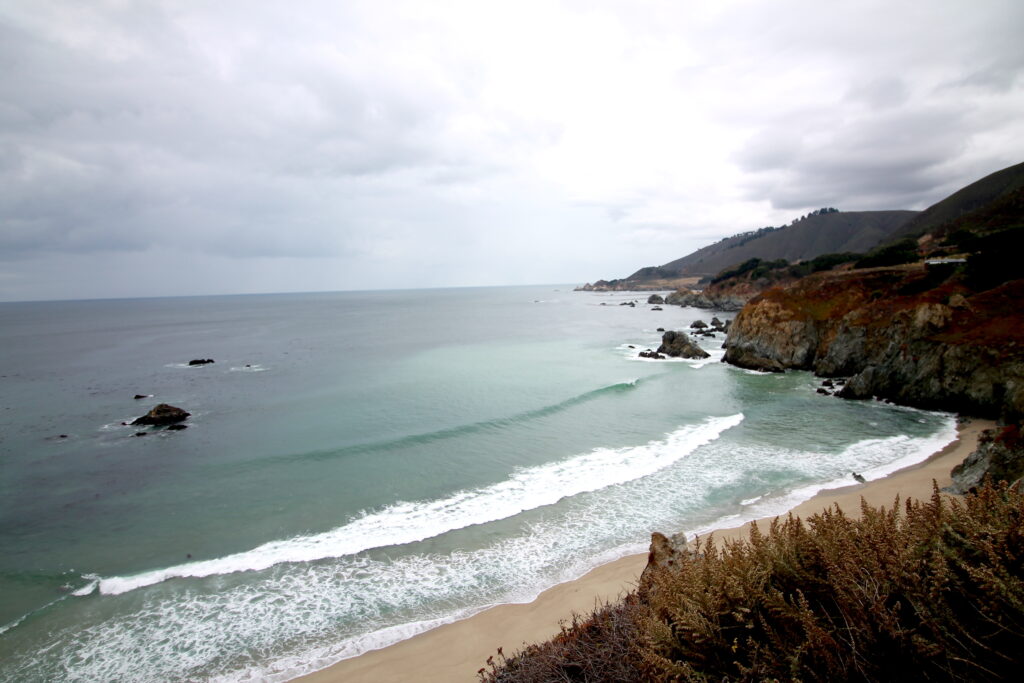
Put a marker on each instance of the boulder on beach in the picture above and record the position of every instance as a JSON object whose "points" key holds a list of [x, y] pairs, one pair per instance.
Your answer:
{"points": [[162, 414]]}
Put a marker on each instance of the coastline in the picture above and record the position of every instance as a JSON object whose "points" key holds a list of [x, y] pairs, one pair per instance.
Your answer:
{"points": [[455, 651]]}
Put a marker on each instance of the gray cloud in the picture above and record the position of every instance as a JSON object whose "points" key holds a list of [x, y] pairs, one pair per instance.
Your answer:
{"points": [[221, 146]]}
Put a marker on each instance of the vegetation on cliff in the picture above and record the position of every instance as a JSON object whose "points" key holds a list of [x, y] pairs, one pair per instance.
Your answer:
{"points": [[924, 591]]}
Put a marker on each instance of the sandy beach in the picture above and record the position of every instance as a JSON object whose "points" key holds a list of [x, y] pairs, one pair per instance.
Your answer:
{"points": [[454, 652]]}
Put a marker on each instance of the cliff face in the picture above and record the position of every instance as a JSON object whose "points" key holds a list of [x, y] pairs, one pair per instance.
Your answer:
{"points": [[730, 295], [904, 333]]}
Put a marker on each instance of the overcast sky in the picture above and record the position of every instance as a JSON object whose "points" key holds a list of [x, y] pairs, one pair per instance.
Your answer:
{"points": [[163, 148]]}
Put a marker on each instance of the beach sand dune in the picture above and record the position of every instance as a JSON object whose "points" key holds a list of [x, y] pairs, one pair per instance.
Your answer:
{"points": [[456, 651]]}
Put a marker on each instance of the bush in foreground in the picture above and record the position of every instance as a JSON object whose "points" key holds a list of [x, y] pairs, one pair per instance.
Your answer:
{"points": [[925, 591]]}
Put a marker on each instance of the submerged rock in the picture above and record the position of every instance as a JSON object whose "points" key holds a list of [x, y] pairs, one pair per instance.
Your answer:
{"points": [[162, 414]]}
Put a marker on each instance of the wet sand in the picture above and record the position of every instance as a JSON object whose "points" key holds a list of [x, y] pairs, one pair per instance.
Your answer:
{"points": [[454, 652]]}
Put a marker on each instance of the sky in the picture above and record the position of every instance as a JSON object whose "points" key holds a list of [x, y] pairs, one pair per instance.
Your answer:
{"points": [[163, 148]]}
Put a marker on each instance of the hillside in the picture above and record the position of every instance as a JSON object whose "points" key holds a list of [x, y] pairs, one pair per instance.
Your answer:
{"points": [[813, 235], [825, 233], [979, 195]]}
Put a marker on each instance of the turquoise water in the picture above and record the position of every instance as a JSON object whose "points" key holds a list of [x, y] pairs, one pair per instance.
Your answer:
{"points": [[361, 466]]}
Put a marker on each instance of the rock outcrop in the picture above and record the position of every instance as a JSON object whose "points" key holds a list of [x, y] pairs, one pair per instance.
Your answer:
{"points": [[679, 345], [728, 295], [895, 334], [664, 556], [1000, 457], [162, 414], [655, 299]]}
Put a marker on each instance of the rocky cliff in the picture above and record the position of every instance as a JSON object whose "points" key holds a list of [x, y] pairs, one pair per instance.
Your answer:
{"points": [[1000, 457], [911, 334], [731, 295]]}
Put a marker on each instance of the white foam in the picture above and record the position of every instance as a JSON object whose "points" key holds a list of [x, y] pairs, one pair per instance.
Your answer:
{"points": [[408, 522], [873, 458], [299, 618], [93, 582]]}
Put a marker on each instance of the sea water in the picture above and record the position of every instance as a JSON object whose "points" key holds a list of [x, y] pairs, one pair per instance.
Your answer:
{"points": [[359, 467]]}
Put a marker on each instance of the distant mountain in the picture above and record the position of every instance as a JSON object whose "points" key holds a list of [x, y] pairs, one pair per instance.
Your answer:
{"points": [[997, 192], [814, 235]]}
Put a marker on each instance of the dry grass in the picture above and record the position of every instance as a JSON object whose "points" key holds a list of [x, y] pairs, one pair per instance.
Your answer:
{"points": [[922, 591]]}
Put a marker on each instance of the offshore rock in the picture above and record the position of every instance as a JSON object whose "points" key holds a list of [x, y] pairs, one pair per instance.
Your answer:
{"points": [[944, 348], [162, 414], [679, 345], [200, 361], [655, 299], [1000, 457]]}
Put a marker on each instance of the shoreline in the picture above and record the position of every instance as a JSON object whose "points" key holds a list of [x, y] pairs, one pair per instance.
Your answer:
{"points": [[456, 651]]}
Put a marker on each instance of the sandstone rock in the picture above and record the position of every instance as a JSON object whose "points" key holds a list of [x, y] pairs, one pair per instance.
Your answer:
{"points": [[679, 345], [664, 556], [162, 414]]}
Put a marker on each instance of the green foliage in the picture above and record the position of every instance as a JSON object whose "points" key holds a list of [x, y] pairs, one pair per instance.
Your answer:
{"points": [[927, 591], [892, 254]]}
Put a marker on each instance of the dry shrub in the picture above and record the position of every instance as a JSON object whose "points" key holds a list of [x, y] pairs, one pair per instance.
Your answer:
{"points": [[928, 590], [600, 647]]}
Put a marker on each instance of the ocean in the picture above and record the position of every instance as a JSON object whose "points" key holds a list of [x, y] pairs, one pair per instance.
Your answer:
{"points": [[362, 466]]}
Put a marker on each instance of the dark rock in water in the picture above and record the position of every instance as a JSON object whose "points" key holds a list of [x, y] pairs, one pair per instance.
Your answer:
{"points": [[656, 308], [828, 383], [1000, 457], [661, 329], [679, 345], [628, 303], [698, 325], [201, 361], [140, 433], [717, 324], [655, 299], [826, 392], [162, 414], [176, 427], [138, 396], [63, 436], [630, 346], [651, 354]]}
